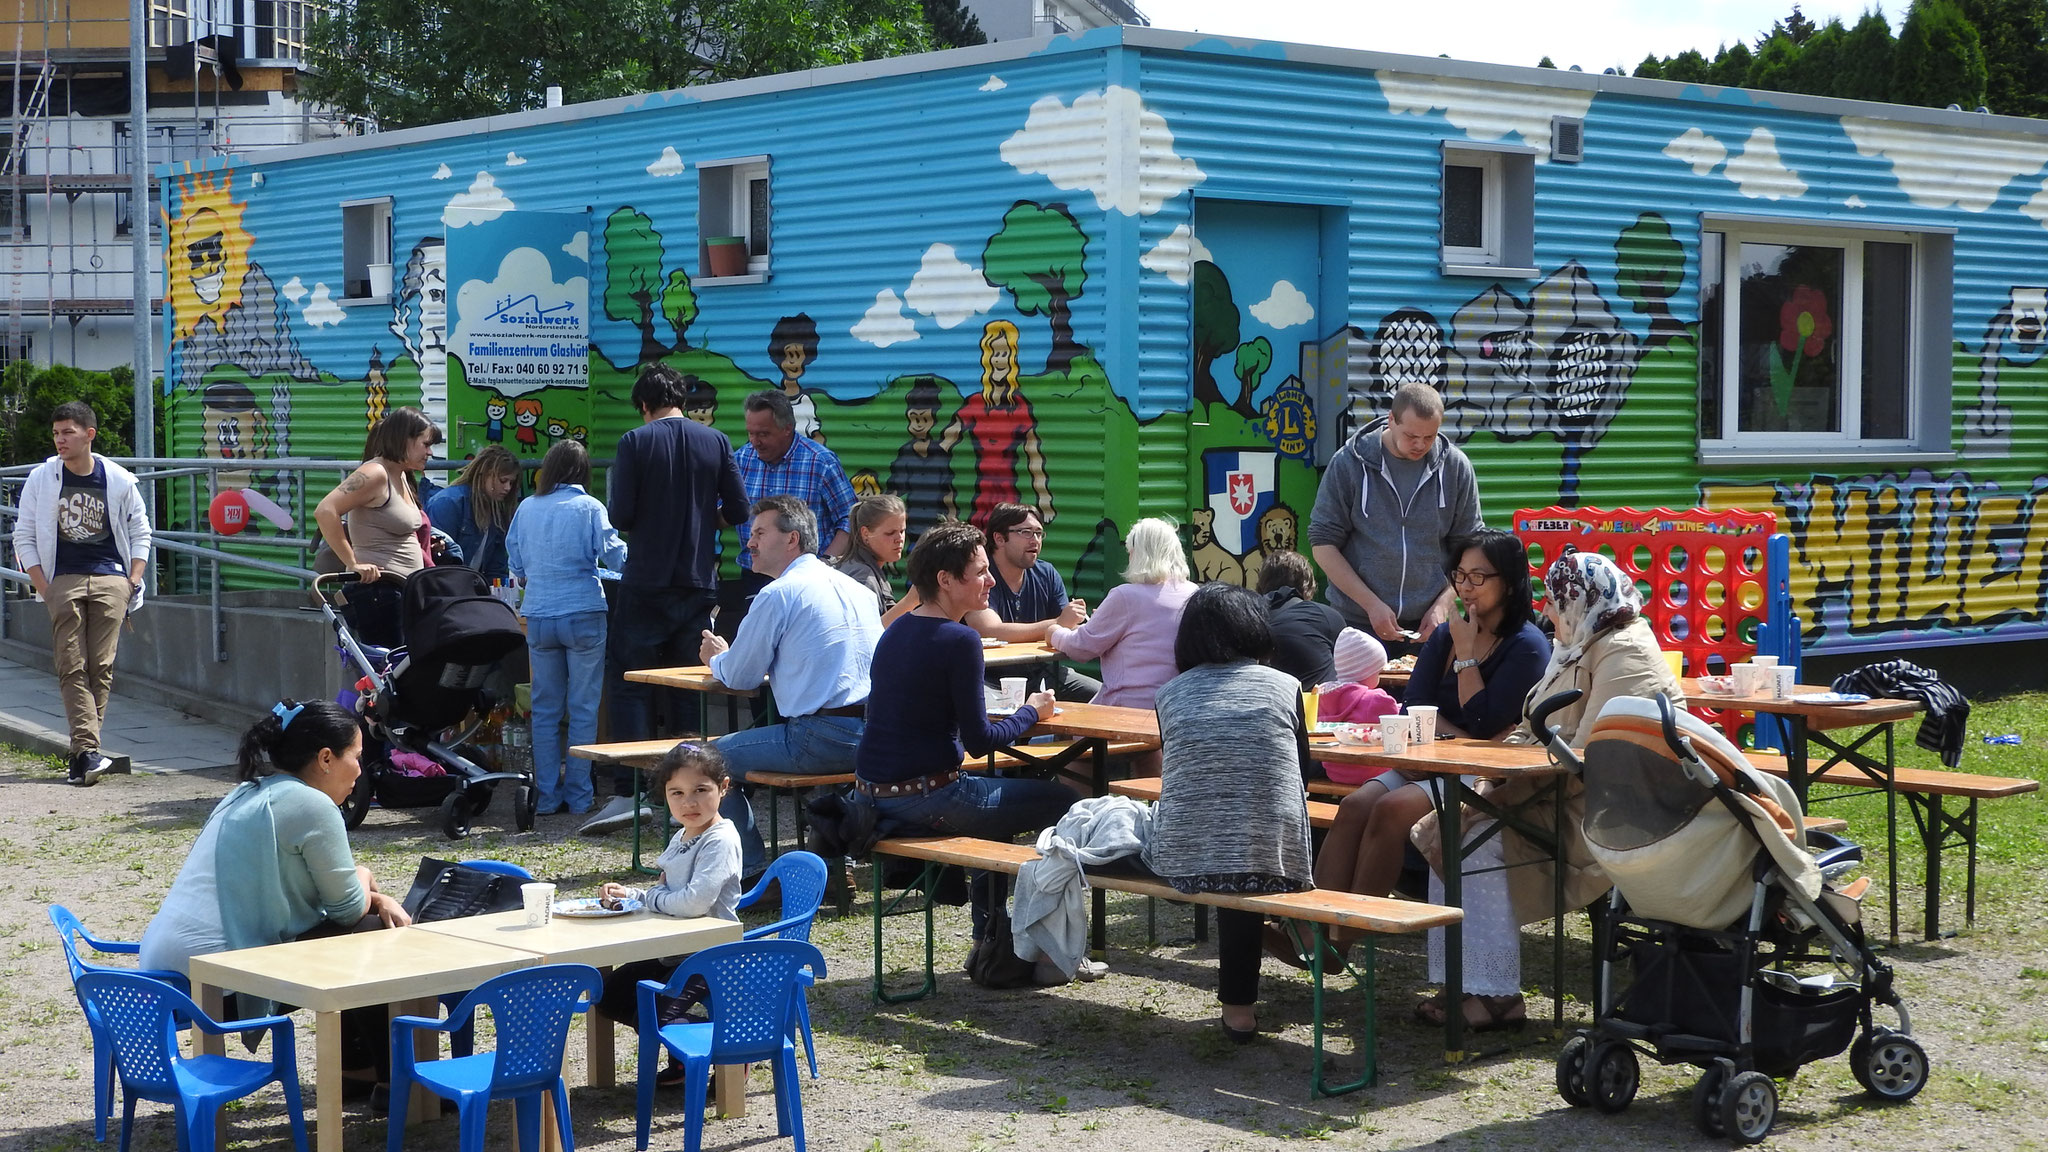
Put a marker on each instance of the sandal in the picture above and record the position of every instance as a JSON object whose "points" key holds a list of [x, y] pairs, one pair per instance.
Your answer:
{"points": [[1482, 1013], [1280, 945]]}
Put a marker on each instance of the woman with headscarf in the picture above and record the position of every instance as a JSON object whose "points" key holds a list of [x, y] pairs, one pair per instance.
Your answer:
{"points": [[1603, 648]]}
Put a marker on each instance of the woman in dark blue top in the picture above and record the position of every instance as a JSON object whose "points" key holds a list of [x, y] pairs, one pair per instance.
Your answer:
{"points": [[1475, 669], [476, 510], [926, 712]]}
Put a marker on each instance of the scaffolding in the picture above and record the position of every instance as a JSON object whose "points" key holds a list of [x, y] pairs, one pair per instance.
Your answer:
{"points": [[222, 79]]}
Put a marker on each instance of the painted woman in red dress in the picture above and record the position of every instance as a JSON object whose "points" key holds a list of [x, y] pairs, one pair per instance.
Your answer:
{"points": [[1000, 424]]}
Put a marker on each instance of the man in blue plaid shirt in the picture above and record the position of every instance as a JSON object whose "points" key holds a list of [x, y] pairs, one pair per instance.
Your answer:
{"points": [[775, 461]]}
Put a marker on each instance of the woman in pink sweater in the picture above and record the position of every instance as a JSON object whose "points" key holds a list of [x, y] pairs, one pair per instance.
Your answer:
{"points": [[1132, 629]]}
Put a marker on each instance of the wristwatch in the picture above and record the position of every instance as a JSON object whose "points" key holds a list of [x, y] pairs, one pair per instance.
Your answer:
{"points": [[1461, 665]]}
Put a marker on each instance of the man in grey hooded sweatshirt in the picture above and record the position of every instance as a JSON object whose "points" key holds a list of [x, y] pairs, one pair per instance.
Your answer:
{"points": [[1390, 502]]}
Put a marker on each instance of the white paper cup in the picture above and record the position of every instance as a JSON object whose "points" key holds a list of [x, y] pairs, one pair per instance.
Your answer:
{"points": [[1784, 681], [1745, 679], [1394, 734], [540, 903], [1013, 693], [1762, 661], [1425, 722]]}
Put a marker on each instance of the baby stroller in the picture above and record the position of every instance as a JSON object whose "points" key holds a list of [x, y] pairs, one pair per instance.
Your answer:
{"points": [[1724, 944], [411, 697]]}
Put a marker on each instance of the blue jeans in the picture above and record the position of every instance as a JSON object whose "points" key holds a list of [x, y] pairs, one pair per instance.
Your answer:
{"points": [[987, 808], [567, 658], [805, 745], [658, 628]]}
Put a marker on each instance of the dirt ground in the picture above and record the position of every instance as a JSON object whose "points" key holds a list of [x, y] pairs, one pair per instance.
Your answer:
{"points": [[1134, 1062]]}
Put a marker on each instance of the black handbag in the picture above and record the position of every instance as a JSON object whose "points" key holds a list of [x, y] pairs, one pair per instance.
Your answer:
{"points": [[446, 890]]}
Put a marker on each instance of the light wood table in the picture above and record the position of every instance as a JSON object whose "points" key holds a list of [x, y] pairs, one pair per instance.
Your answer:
{"points": [[403, 967], [1010, 655], [605, 943]]}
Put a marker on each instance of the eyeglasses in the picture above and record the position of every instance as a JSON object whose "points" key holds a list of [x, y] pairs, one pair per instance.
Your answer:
{"points": [[1027, 533], [1466, 578]]}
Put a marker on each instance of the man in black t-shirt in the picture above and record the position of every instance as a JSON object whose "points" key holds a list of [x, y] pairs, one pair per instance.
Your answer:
{"points": [[1028, 598], [83, 538]]}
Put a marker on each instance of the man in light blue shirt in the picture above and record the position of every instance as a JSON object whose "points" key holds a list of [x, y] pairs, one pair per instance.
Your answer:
{"points": [[811, 634]]}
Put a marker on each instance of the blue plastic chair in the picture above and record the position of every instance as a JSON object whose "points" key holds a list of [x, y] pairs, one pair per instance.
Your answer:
{"points": [[755, 985], [142, 1017], [463, 1041], [802, 877], [532, 1008], [70, 932]]}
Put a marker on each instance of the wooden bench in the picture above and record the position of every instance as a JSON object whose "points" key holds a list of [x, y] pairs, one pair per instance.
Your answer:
{"points": [[1940, 829], [1322, 813], [1371, 915]]}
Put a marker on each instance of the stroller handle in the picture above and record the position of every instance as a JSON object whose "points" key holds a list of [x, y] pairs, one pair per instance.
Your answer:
{"points": [[1539, 722]]}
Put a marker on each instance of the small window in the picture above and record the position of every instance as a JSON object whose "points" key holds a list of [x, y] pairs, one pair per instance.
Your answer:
{"points": [[1488, 211], [1821, 340], [366, 249], [16, 349], [733, 215], [13, 216]]}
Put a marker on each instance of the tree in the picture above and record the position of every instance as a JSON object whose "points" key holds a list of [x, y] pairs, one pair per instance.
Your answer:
{"points": [[1038, 255], [1818, 69], [1795, 27], [408, 62], [2015, 38], [1731, 66], [1776, 61], [1651, 68], [1940, 60], [30, 392], [1689, 67], [952, 25], [1866, 69], [1546, 62]]}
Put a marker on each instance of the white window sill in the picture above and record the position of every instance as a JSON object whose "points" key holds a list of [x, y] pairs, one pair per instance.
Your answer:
{"points": [[1497, 271], [361, 301], [715, 281], [1751, 457]]}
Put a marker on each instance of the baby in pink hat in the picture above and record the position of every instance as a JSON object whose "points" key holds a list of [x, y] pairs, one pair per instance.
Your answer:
{"points": [[1356, 697]]}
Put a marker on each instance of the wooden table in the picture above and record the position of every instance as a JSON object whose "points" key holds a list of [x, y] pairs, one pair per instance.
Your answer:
{"points": [[1808, 723], [605, 943], [1010, 655], [1092, 728], [405, 968]]}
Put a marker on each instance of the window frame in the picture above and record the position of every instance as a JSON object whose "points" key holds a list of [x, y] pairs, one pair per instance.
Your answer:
{"points": [[725, 208], [1929, 370], [380, 243], [1507, 210]]}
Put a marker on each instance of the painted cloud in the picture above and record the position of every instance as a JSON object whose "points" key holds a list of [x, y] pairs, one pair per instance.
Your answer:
{"points": [[884, 322], [1485, 110], [1924, 161], [514, 159], [320, 311], [294, 290], [1175, 255], [483, 201], [2037, 205], [443, 172], [668, 164], [1698, 149], [994, 84], [948, 289], [1074, 146], [579, 246], [1759, 174], [1285, 307]]}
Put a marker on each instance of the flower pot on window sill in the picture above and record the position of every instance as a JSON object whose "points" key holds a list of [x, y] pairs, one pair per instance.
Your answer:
{"points": [[726, 255]]}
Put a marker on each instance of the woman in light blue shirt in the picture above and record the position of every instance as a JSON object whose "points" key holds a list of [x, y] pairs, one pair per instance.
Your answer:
{"points": [[559, 539]]}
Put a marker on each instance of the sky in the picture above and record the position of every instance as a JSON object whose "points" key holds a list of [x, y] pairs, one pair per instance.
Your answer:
{"points": [[1594, 34]]}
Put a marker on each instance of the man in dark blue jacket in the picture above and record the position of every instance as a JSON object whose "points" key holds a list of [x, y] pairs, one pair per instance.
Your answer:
{"points": [[672, 488]]}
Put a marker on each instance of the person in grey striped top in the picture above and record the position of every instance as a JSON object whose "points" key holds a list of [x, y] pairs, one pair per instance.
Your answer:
{"points": [[1232, 813]]}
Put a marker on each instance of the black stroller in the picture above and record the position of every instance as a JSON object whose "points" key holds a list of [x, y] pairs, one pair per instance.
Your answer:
{"points": [[1725, 943], [411, 698]]}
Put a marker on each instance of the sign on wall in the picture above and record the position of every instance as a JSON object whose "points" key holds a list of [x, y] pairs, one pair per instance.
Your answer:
{"points": [[521, 315]]}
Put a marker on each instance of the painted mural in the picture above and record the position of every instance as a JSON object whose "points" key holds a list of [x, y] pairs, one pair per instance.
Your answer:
{"points": [[1060, 302]]}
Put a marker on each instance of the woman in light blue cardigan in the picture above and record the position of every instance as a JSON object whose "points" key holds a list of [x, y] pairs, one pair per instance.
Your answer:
{"points": [[273, 862]]}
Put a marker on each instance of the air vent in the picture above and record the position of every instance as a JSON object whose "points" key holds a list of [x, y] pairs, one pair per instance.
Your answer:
{"points": [[1567, 139]]}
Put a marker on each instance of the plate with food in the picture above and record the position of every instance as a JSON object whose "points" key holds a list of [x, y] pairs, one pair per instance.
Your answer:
{"points": [[594, 908], [1718, 685], [1358, 734], [991, 642], [1400, 664]]}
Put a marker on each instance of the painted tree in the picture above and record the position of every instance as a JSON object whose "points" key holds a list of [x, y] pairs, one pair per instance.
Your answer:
{"points": [[1940, 60], [634, 290], [1254, 356], [1216, 330], [1038, 256], [1649, 270]]}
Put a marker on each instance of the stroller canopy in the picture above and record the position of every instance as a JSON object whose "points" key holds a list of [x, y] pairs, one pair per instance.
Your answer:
{"points": [[1668, 842], [455, 630]]}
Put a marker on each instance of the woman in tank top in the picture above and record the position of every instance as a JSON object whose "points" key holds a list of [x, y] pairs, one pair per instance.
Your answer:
{"points": [[372, 521]]}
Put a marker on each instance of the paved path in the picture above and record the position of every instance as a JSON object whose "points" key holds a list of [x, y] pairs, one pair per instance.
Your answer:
{"points": [[154, 738]]}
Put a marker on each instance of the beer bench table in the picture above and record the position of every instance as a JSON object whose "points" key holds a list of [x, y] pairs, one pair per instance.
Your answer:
{"points": [[1322, 814], [1369, 914]]}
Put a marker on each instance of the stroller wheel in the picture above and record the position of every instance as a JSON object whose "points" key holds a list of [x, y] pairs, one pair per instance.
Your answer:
{"points": [[357, 805], [455, 815], [1612, 1075], [1706, 1100], [1749, 1106], [1890, 1065], [525, 807], [1571, 1071]]}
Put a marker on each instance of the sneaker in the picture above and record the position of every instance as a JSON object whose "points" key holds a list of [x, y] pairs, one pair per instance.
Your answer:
{"points": [[671, 1076], [614, 816], [80, 773], [100, 764]]}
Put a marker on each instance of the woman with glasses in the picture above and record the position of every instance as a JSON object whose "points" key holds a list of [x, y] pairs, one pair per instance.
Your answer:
{"points": [[1475, 669]]}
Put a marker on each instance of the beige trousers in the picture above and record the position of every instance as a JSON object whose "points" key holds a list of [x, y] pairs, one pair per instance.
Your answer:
{"points": [[85, 622]]}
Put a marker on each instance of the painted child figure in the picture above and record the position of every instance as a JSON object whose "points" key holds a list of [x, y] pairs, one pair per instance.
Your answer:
{"points": [[700, 876]]}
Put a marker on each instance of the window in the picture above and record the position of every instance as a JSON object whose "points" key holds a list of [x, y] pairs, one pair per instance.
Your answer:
{"points": [[733, 203], [1822, 340], [1488, 217], [13, 216], [366, 249], [16, 349]]}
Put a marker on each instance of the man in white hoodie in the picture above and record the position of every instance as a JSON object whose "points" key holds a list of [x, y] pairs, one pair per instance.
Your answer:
{"points": [[82, 536]]}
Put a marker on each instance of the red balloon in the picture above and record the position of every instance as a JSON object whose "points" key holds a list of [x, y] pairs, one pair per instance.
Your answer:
{"points": [[229, 512]]}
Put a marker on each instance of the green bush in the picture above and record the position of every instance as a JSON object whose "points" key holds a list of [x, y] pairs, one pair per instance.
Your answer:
{"points": [[30, 392]]}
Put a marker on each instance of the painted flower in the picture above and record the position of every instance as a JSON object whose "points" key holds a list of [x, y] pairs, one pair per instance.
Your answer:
{"points": [[1804, 319]]}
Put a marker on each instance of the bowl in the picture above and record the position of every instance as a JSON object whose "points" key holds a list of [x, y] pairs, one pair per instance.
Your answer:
{"points": [[1718, 685], [1358, 734]]}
